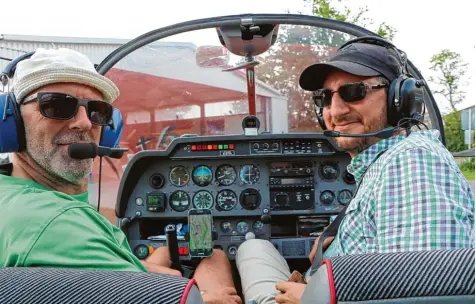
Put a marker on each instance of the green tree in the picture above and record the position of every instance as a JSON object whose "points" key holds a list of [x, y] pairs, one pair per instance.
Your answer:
{"points": [[450, 72], [282, 65], [453, 133], [334, 9]]}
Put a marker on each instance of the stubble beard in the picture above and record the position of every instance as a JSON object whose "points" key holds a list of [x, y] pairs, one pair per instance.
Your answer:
{"points": [[55, 160]]}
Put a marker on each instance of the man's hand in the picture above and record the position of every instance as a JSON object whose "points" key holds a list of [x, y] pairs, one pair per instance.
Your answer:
{"points": [[291, 292], [326, 244], [225, 295], [151, 267]]}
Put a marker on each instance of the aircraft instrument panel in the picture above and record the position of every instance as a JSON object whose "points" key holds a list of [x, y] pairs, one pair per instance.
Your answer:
{"points": [[279, 187]]}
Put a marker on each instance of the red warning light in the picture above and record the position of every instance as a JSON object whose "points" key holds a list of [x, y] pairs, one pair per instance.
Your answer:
{"points": [[231, 146], [194, 148]]}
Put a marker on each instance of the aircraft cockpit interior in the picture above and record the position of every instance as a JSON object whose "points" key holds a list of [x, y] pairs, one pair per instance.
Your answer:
{"points": [[215, 143], [227, 146]]}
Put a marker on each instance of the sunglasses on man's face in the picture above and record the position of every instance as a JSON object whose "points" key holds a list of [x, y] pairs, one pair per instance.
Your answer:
{"points": [[63, 107], [349, 92]]}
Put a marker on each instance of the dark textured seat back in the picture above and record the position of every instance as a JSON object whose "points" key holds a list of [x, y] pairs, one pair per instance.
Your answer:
{"points": [[445, 276], [45, 285]]}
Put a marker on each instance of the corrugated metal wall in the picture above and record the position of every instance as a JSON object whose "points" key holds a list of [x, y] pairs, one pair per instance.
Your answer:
{"points": [[14, 46]]}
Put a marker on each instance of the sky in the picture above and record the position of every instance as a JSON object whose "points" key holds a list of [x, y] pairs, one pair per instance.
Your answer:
{"points": [[424, 27]]}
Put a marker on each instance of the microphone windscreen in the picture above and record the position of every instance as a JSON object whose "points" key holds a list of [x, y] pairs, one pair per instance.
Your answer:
{"points": [[83, 150], [118, 152], [329, 133]]}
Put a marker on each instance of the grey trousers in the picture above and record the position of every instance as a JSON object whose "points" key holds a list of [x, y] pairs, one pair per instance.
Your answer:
{"points": [[260, 266]]}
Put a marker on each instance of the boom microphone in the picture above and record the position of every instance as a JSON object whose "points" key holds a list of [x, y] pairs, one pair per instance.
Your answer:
{"points": [[384, 133], [83, 151], [91, 150]]}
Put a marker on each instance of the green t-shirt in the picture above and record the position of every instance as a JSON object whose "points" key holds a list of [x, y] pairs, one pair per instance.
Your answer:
{"points": [[40, 227]]}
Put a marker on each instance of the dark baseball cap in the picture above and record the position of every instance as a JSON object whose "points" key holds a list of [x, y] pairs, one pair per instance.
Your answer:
{"points": [[362, 59]]}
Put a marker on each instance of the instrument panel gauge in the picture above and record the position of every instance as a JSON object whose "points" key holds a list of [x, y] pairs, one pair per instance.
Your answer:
{"points": [[141, 251], [203, 200], [179, 176], [344, 197], [250, 199], [249, 174], [179, 201], [202, 176], [327, 197], [225, 175], [329, 171], [258, 227], [242, 227], [226, 200], [226, 227]]}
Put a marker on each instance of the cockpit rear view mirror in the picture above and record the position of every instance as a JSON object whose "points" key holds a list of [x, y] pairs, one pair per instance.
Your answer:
{"points": [[248, 39]]}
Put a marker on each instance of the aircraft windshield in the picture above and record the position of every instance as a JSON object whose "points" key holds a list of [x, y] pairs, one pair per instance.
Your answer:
{"points": [[178, 85]]}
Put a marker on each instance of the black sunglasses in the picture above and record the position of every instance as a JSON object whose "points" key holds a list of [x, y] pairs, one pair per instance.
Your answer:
{"points": [[63, 107], [349, 92]]}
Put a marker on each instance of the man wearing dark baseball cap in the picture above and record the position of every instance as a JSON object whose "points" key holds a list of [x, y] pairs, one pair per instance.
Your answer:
{"points": [[361, 59], [410, 177]]}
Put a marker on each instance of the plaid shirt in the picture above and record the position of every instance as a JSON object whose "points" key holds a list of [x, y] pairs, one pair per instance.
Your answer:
{"points": [[411, 198]]}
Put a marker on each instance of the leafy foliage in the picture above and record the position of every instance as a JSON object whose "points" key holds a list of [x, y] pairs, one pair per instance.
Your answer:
{"points": [[297, 47], [467, 165], [453, 133], [450, 75]]}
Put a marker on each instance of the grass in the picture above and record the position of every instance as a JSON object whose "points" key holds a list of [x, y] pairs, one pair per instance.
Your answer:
{"points": [[469, 174]]}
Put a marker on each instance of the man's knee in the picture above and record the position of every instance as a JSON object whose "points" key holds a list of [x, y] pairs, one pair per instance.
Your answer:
{"points": [[255, 245], [163, 250], [254, 249], [218, 255], [160, 256], [218, 258]]}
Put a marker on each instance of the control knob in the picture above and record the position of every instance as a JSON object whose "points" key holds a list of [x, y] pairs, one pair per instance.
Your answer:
{"points": [[232, 250], [250, 236]]}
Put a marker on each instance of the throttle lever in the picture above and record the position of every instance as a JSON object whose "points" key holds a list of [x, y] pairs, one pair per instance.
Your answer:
{"points": [[172, 244]]}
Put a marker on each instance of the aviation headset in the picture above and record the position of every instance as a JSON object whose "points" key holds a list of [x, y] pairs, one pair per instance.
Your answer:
{"points": [[12, 129], [405, 94]]}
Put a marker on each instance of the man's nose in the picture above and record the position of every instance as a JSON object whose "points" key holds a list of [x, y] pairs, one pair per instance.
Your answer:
{"points": [[81, 120], [338, 106]]}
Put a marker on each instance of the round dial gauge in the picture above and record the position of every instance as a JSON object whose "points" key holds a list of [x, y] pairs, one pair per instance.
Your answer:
{"points": [[226, 200], [226, 227], [329, 171], [203, 200], [249, 174], [225, 175], [327, 197], [242, 227], [344, 197], [258, 227], [179, 176], [141, 251], [179, 201], [202, 176]]}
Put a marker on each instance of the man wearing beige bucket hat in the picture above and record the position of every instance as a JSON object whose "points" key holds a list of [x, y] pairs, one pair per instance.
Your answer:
{"points": [[46, 218]]}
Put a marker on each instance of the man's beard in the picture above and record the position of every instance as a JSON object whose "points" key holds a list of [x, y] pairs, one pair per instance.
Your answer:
{"points": [[358, 144], [53, 158]]}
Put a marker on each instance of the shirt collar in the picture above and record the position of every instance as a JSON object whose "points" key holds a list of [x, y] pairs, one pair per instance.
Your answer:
{"points": [[362, 161], [5, 177]]}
